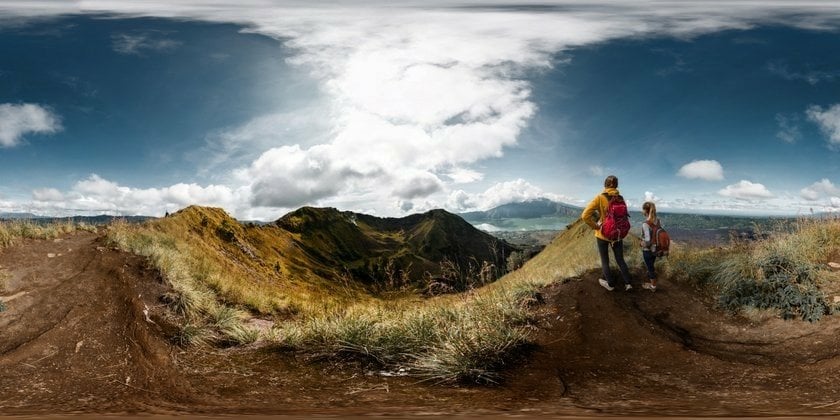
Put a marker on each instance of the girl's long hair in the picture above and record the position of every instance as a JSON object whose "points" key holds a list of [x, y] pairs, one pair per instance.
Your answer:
{"points": [[650, 209]]}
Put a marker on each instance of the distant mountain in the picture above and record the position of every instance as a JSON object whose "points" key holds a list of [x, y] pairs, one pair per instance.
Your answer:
{"points": [[414, 246], [93, 220], [531, 209], [14, 216]]}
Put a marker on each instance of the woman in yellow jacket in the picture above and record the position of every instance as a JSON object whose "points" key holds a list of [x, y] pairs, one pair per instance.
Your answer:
{"points": [[599, 205]]}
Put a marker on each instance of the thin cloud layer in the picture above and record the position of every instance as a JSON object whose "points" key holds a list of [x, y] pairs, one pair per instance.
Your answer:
{"points": [[828, 120], [138, 44], [18, 120], [789, 131]]}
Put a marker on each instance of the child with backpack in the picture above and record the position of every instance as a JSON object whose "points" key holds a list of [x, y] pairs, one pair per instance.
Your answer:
{"points": [[649, 242], [610, 229]]}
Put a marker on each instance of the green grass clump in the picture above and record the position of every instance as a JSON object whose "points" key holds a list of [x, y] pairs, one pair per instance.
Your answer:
{"points": [[481, 339], [193, 335], [447, 342], [787, 272], [695, 266], [240, 334]]}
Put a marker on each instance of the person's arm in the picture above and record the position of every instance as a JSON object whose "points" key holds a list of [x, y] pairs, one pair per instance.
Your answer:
{"points": [[589, 213], [645, 235]]}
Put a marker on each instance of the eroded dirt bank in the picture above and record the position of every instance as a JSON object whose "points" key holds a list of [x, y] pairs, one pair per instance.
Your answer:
{"points": [[74, 338]]}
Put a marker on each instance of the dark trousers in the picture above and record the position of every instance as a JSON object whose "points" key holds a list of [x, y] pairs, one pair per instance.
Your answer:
{"points": [[650, 259], [618, 253]]}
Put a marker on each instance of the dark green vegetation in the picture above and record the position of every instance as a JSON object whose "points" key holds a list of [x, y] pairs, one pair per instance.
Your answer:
{"points": [[435, 247]]}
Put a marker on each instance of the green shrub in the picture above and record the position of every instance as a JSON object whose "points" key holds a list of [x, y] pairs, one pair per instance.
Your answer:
{"points": [[782, 272], [792, 299], [773, 281]]}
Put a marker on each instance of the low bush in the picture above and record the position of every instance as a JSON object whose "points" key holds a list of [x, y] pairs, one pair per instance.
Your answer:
{"points": [[783, 271]]}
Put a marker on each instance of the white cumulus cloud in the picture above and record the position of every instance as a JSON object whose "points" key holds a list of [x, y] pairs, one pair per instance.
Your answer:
{"points": [[18, 120], [829, 121], [746, 190], [709, 170], [47, 194], [500, 193], [289, 176], [819, 189], [96, 195]]}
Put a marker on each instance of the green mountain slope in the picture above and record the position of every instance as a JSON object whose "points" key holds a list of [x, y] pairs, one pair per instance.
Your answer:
{"points": [[409, 249]]}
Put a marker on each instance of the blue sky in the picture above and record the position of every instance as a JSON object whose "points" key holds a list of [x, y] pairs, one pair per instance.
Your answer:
{"points": [[391, 108]]}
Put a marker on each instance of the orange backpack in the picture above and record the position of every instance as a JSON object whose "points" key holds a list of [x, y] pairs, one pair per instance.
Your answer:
{"points": [[660, 241]]}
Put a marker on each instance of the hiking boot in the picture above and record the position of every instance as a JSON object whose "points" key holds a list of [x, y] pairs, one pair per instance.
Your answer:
{"points": [[628, 287], [605, 285], [649, 286]]}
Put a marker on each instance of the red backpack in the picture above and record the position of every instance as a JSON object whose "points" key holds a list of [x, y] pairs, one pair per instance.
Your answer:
{"points": [[660, 241], [616, 224]]}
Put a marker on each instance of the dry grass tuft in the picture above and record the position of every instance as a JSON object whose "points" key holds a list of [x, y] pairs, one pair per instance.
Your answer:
{"points": [[11, 232]]}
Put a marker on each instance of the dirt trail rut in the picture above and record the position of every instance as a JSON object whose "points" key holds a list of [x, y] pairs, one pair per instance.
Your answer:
{"points": [[72, 335], [74, 338]]}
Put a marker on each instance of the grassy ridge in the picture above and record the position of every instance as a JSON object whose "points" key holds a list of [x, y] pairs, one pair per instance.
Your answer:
{"points": [[222, 274]]}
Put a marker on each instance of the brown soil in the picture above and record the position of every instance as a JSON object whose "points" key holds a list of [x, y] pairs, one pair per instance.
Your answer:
{"points": [[74, 339]]}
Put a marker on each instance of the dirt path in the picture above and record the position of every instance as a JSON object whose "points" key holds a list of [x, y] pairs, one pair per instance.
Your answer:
{"points": [[73, 335], [74, 338]]}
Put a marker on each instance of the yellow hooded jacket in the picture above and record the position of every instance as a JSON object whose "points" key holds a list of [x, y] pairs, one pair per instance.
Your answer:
{"points": [[598, 205]]}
